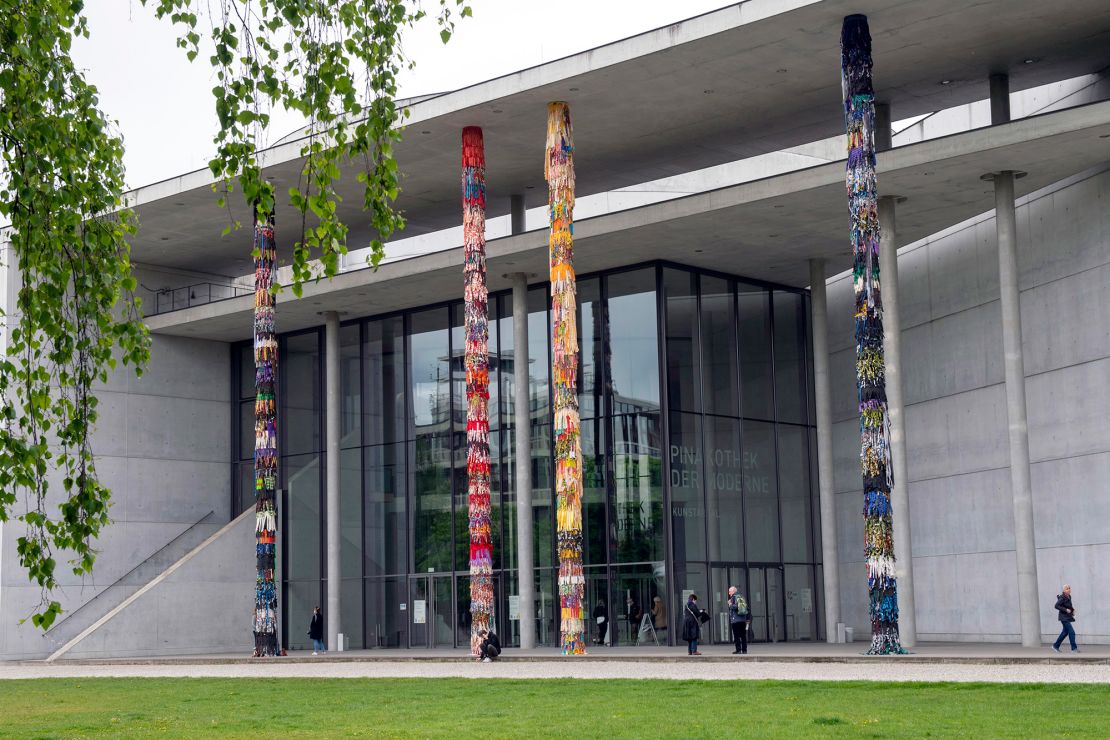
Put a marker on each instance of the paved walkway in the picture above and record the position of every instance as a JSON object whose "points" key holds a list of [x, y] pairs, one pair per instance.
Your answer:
{"points": [[785, 661]]}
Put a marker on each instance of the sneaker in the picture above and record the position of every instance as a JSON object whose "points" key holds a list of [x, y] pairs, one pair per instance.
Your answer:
{"points": [[486, 660], [696, 653], [736, 652], [316, 653], [1075, 650], [1056, 648]]}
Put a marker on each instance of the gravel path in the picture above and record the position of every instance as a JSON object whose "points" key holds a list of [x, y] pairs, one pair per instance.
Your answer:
{"points": [[886, 671]]}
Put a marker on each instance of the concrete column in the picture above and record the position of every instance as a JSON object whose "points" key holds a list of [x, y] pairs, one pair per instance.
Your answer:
{"points": [[522, 422], [517, 213], [1021, 489], [1000, 98], [1010, 298], [896, 413], [884, 135], [331, 415], [830, 558]]}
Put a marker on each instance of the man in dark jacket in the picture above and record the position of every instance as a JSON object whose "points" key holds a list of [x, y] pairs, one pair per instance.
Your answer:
{"points": [[1066, 612], [739, 617], [316, 632], [490, 647]]}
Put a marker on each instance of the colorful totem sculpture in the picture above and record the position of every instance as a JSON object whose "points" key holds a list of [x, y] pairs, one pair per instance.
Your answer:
{"points": [[559, 170], [477, 381], [878, 479], [265, 442]]}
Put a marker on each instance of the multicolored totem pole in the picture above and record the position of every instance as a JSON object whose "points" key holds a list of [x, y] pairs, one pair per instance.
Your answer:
{"points": [[878, 478], [559, 170], [265, 441], [477, 381]]}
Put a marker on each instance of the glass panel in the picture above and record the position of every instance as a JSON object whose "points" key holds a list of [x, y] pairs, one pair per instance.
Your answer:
{"points": [[300, 598], [350, 387], [723, 578], [790, 366], [460, 491], [432, 499], [590, 386], [431, 371], [690, 581], [757, 602], [547, 607], [539, 362], [637, 488], [597, 606], [494, 367], [796, 498], [442, 612], [756, 368], [635, 588], [385, 381], [419, 612], [724, 472], [718, 331], [302, 517], [594, 495], [458, 369], [542, 498], [246, 430], [387, 612], [300, 395], [246, 371], [801, 604], [633, 336], [387, 524], [760, 496], [774, 604], [350, 516], [351, 603], [682, 340], [687, 502]]}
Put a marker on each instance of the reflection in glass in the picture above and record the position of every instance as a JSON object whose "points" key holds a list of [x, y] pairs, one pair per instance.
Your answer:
{"points": [[801, 603], [351, 617], [718, 329], [724, 473], [300, 598], [431, 486], [682, 341], [350, 515], [633, 599], [760, 491], [302, 517], [387, 612], [633, 357], [300, 397], [591, 329], [431, 372], [350, 387], [637, 488], [594, 499], [387, 524], [756, 367], [795, 495], [385, 381], [687, 487], [790, 367]]}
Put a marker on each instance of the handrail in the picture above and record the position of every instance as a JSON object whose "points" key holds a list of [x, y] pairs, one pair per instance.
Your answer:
{"points": [[145, 560], [198, 294]]}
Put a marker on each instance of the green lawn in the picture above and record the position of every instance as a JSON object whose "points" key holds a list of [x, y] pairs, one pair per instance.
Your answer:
{"points": [[461, 708]]}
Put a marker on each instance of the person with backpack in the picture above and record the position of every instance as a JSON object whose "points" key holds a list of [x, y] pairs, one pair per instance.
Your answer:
{"points": [[692, 617], [1066, 613], [739, 617]]}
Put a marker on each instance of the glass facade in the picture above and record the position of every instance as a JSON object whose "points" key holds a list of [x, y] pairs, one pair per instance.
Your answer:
{"points": [[698, 447]]}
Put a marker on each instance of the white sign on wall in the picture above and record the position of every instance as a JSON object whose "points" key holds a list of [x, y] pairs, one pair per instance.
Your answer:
{"points": [[419, 612], [514, 607]]}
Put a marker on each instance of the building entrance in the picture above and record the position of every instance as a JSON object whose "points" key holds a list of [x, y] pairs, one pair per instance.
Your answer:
{"points": [[431, 612], [761, 585]]}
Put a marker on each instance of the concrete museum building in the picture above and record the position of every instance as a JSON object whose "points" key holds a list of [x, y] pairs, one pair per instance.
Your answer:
{"points": [[720, 425]]}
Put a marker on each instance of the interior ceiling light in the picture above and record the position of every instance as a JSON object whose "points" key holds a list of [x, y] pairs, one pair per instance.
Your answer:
{"points": [[946, 82]]}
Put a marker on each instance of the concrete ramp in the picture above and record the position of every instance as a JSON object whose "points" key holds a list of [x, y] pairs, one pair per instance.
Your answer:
{"points": [[202, 603]]}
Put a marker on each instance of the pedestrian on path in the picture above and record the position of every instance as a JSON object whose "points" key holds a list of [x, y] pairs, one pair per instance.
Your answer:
{"points": [[739, 617], [691, 624], [1066, 613], [316, 632]]}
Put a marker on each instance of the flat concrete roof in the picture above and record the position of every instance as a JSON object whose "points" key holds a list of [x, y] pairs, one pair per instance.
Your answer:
{"points": [[754, 77], [766, 229]]}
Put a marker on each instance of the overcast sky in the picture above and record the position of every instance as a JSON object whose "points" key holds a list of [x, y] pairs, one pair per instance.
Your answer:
{"points": [[164, 104]]}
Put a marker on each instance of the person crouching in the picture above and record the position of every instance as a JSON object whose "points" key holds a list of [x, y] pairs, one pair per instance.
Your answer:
{"points": [[489, 647]]}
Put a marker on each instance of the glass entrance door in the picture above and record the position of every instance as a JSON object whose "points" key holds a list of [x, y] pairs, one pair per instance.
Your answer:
{"points": [[768, 624], [723, 577], [431, 612]]}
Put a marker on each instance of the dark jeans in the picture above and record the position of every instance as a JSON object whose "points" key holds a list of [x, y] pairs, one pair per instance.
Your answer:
{"points": [[693, 646], [601, 630], [740, 636], [1066, 630]]}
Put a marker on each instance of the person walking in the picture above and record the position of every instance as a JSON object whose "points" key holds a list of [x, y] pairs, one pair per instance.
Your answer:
{"points": [[316, 632], [739, 617], [601, 617], [1066, 614], [691, 624]]}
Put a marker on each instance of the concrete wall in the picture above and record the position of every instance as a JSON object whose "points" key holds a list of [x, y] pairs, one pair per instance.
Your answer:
{"points": [[956, 425], [204, 606], [163, 446]]}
